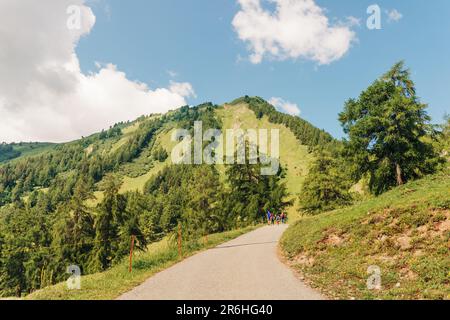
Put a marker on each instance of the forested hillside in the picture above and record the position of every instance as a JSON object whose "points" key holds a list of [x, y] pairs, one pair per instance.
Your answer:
{"points": [[80, 202]]}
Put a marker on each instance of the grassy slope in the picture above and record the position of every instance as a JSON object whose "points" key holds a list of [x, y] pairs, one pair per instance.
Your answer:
{"points": [[294, 157], [126, 133], [164, 140], [30, 149], [117, 280], [406, 232]]}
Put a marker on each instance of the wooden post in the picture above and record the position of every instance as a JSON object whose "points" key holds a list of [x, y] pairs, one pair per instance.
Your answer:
{"points": [[180, 253], [131, 253]]}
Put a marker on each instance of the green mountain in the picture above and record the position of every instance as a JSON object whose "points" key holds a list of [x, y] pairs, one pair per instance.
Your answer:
{"points": [[126, 149], [81, 201]]}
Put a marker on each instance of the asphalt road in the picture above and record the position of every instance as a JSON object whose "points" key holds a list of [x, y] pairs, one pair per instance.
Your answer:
{"points": [[246, 268]]}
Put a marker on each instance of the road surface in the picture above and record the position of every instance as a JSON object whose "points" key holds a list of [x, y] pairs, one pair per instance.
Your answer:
{"points": [[246, 268]]}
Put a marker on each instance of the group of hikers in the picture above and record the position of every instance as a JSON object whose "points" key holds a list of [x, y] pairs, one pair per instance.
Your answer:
{"points": [[273, 218]]}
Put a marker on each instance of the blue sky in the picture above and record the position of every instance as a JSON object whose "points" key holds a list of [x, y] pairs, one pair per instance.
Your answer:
{"points": [[79, 81], [195, 39]]}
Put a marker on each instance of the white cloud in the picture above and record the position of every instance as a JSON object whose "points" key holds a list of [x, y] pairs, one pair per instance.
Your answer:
{"points": [[353, 21], [172, 74], [184, 89], [285, 106], [394, 15], [296, 29], [44, 96]]}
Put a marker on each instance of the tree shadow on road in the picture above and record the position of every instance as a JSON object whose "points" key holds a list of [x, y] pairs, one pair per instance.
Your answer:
{"points": [[245, 244]]}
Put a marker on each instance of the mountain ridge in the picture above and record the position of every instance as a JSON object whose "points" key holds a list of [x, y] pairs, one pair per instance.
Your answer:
{"points": [[112, 147]]}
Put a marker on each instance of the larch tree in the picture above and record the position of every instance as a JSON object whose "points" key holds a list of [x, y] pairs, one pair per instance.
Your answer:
{"points": [[386, 127]]}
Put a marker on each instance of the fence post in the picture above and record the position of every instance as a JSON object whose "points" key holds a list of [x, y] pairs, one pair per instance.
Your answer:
{"points": [[180, 253], [131, 253]]}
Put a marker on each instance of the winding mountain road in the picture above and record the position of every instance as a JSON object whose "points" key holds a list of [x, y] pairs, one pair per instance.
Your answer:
{"points": [[246, 268]]}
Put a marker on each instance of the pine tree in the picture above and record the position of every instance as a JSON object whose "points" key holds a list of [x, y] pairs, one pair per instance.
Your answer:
{"points": [[326, 186], [107, 220], [25, 249], [201, 214], [252, 194], [73, 234], [385, 128], [443, 143], [160, 154]]}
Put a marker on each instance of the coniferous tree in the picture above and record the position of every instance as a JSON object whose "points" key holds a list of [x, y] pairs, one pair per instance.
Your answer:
{"points": [[385, 127], [251, 194], [443, 143], [107, 220], [160, 154], [200, 215], [327, 185], [73, 234], [25, 253]]}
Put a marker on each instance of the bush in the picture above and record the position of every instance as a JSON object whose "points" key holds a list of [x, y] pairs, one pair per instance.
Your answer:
{"points": [[160, 154]]}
